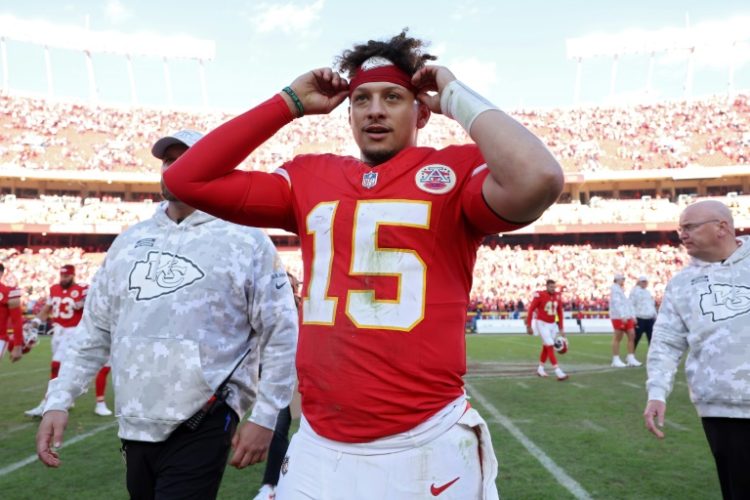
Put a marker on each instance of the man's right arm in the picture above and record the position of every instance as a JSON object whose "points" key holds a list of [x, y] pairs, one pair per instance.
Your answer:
{"points": [[89, 347], [205, 176], [668, 344]]}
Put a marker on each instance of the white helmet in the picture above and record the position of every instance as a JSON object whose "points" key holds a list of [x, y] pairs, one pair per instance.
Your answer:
{"points": [[30, 336], [561, 344]]}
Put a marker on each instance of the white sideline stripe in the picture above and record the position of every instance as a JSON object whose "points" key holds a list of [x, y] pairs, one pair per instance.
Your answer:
{"points": [[557, 472], [33, 458], [593, 426], [677, 426], [521, 384], [631, 384], [580, 386], [15, 374], [16, 429]]}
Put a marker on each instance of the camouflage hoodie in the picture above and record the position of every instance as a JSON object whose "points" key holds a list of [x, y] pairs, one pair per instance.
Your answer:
{"points": [[176, 306], [706, 311]]}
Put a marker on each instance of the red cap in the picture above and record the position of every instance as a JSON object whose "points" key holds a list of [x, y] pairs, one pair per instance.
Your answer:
{"points": [[68, 269]]}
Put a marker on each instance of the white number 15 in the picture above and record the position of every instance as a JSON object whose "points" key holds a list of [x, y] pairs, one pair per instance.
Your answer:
{"points": [[362, 308]]}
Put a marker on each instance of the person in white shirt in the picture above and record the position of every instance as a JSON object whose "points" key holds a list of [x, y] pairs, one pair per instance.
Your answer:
{"points": [[645, 309]]}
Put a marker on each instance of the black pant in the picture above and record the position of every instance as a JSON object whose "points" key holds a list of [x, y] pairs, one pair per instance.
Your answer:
{"points": [[279, 445], [188, 465], [729, 439], [644, 325]]}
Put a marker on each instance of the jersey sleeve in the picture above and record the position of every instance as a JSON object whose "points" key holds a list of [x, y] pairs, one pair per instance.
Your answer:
{"points": [[205, 176], [478, 212]]}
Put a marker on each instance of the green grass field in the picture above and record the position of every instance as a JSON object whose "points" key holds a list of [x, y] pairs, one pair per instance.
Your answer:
{"points": [[582, 438]]}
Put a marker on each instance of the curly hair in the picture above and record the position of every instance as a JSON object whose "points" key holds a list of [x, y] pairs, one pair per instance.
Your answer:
{"points": [[403, 51]]}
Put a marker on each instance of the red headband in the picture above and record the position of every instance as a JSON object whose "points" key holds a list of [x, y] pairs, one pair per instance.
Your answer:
{"points": [[390, 73]]}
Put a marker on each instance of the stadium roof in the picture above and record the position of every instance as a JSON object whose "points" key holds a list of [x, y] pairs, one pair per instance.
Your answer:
{"points": [[81, 39], [725, 33]]}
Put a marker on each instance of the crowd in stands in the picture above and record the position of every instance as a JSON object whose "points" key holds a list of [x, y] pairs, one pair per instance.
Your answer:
{"points": [[74, 210], [504, 276], [43, 135], [33, 271]]}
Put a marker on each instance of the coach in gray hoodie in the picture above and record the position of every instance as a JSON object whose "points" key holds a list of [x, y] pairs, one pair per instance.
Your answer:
{"points": [[706, 312], [187, 305]]}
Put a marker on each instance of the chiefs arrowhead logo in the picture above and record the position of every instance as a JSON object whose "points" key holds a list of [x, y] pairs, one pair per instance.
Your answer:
{"points": [[162, 273], [725, 301]]}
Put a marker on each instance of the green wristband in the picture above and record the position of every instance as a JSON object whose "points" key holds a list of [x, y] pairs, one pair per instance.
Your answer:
{"points": [[297, 103]]}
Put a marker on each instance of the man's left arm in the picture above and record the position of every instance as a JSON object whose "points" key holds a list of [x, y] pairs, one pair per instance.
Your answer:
{"points": [[524, 177], [668, 344], [273, 316]]}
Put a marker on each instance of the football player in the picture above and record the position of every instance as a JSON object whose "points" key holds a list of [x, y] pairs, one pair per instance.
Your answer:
{"points": [[389, 242], [545, 315], [64, 308], [10, 312]]}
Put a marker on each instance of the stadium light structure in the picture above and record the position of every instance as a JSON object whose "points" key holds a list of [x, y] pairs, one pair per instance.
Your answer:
{"points": [[730, 35], [76, 38]]}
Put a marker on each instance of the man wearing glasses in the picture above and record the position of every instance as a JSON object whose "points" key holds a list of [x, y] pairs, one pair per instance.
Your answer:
{"points": [[706, 313]]}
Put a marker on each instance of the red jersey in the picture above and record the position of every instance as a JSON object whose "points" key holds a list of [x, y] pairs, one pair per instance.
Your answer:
{"points": [[388, 253], [67, 304], [10, 318], [548, 308], [388, 259]]}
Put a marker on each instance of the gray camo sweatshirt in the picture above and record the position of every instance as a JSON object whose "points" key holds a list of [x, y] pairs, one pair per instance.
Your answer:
{"points": [[706, 313], [176, 306]]}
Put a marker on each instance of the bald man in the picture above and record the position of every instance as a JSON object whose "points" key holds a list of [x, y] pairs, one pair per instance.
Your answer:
{"points": [[706, 313]]}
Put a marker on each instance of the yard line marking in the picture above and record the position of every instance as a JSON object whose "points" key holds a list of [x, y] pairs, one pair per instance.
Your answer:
{"points": [[602, 359], [675, 425], [33, 458], [33, 387], [14, 374], [557, 472], [521, 384], [16, 429], [593, 426], [631, 384], [580, 386]]}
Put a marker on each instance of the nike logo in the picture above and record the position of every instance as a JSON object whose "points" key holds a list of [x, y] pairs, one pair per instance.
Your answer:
{"points": [[278, 286], [436, 490]]}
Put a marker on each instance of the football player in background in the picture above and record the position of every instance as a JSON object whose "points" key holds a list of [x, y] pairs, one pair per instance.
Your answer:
{"points": [[10, 314], [389, 242], [64, 309], [546, 317]]}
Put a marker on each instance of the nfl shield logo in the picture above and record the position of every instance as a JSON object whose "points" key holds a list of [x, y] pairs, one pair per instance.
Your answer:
{"points": [[369, 180]]}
